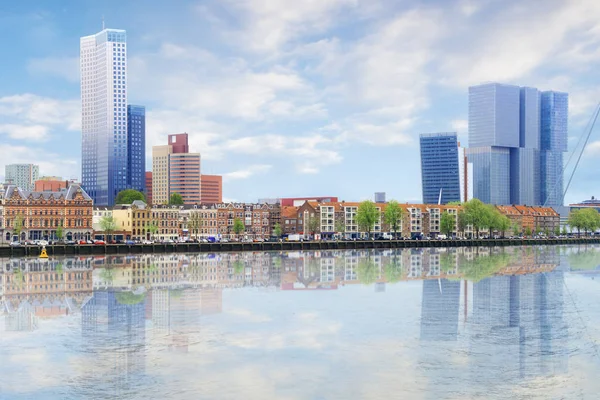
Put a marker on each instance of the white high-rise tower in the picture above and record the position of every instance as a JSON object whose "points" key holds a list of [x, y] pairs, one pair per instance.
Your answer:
{"points": [[103, 65]]}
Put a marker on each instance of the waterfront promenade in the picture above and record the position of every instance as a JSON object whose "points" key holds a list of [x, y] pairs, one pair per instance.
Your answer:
{"points": [[34, 251]]}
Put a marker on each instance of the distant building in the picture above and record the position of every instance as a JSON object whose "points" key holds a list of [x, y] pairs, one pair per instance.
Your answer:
{"points": [[465, 169], [22, 175], [379, 197], [136, 147], [175, 170], [269, 201], [211, 188], [298, 201], [50, 185], [148, 178], [439, 168], [517, 137]]}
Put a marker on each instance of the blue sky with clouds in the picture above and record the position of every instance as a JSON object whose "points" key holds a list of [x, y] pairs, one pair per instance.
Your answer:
{"points": [[296, 98]]}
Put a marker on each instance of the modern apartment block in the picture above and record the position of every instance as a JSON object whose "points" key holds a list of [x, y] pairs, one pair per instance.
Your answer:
{"points": [[516, 139], [22, 175], [211, 188], [103, 68], [440, 178], [136, 147], [175, 170]]}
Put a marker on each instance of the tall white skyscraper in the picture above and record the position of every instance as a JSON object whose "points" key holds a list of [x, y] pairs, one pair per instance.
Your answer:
{"points": [[103, 65]]}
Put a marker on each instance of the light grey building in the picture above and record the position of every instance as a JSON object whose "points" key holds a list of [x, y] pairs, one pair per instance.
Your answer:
{"points": [[22, 175]]}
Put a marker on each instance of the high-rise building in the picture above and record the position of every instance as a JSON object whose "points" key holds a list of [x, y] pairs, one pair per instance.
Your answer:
{"points": [[211, 188], [22, 175], [103, 68], [149, 187], [465, 169], [439, 168], [511, 129], [136, 147], [379, 197], [554, 136], [175, 170]]}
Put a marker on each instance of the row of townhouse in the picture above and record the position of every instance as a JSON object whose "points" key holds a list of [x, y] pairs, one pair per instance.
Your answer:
{"points": [[138, 221], [340, 218], [30, 215]]}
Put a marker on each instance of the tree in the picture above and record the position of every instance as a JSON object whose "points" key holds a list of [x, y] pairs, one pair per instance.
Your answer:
{"points": [[528, 231], [152, 228], [60, 233], [576, 220], [238, 226], [128, 196], [393, 215], [516, 229], [366, 216], [313, 225], [108, 225], [175, 199], [564, 230], [277, 230], [556, 230], [194, 223], [340, 226], [447, 223], [18, 226], [503, 224], [475, 214], [591, 219]]}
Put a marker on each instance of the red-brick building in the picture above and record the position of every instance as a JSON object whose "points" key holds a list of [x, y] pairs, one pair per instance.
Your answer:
{"points": [[149, 187], [211, 189]]}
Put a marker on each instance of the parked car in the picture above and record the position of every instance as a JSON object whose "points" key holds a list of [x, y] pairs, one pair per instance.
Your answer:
{"points": [[147, 242], [15, 244], [130, 242], [99, 242]]}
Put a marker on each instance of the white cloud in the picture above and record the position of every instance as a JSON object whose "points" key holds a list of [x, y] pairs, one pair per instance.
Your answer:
{"points": [[62, 67], [25, 132], [460, 125], [50, 163], [246, 172], [31, 108]]}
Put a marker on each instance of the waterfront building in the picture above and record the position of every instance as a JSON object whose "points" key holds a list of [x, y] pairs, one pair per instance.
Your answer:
{"points": [[103, 69], [50, 185], [175, 170], [22, 175], [554, 137], [136, 147], [439, 168], [517, 136], [41, 213], [211, 188]]}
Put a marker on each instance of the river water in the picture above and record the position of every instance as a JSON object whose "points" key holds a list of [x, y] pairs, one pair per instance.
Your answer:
{"points": [[500, 323]]}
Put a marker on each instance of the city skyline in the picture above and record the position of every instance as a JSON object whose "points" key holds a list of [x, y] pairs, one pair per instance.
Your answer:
{"points": [[293, 110]]}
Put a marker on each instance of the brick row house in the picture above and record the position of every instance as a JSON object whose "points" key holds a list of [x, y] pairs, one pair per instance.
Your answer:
{"points": [[41, 213]]}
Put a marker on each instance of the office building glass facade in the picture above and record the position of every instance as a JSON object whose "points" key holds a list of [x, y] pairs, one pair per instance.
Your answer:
{"points": [[136, 150], [439, 168], [554, 137], [103, 67]]}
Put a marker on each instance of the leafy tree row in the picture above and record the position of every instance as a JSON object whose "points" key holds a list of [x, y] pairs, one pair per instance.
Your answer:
{"points": [[586, 219]]}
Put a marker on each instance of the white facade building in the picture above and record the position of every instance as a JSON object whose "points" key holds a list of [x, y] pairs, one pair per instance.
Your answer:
{"points": [[22, 175], [103, 67]]}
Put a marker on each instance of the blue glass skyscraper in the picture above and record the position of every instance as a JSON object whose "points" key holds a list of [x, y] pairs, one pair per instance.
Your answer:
{"points": [[554, 136], [516, 139], [103, 67], [136, 149], [439, 168]]}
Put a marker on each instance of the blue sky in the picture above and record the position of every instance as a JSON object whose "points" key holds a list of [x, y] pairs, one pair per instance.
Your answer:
{"points": [[296, 98]]}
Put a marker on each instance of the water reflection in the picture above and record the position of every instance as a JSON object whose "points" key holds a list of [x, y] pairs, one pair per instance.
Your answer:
{"points": [[417, 323]]}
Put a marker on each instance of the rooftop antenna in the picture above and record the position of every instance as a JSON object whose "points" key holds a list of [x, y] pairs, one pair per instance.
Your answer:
{"points": [[103, 22]]}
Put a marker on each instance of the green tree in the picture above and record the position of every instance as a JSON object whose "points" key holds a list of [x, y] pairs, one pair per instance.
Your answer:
{"points": [[476, 214], [516, 229], [393, 215], [340, 226], [238, 226], [194, 223], [366, 216], [565, 232], [528, 231], [152, 228], [18, 226], [128, 196], [503, 224], [277, 230], [60, 233], [591, 219], [313, 225], [556, 230], [576, 220], [108, 225], [175, 199], [447, 223]]}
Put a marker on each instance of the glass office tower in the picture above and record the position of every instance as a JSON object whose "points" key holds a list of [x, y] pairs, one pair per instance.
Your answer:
{"points": [[554, 137], [439, 168], [103, 66], [136, 149]]}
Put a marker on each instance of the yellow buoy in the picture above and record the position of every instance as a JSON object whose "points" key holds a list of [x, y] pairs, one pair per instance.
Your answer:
{"points": [[43, 254]]}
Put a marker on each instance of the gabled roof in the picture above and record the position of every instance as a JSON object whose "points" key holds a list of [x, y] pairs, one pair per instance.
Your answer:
{"points": [[68, 194]]}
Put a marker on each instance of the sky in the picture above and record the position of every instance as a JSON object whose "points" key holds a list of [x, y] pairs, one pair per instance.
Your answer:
{"points": [[305, 98]]}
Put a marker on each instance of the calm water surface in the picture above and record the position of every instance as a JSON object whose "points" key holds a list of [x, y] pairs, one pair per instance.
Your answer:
{"points": [[502, 323]]}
